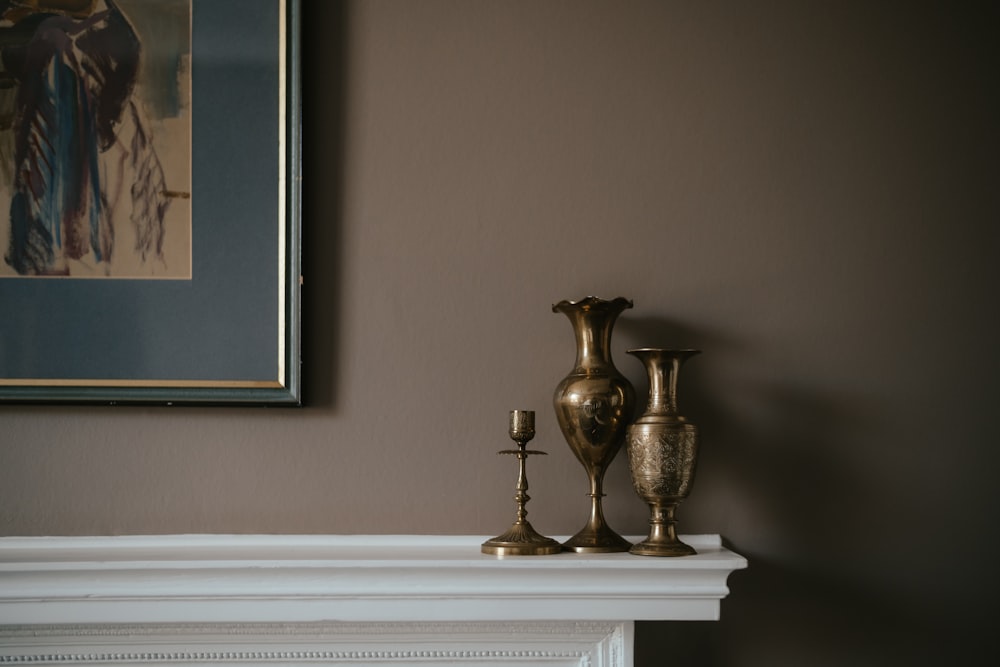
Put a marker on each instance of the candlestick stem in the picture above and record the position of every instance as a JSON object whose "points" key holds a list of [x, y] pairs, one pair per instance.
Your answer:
{"points": [[521, 539]]}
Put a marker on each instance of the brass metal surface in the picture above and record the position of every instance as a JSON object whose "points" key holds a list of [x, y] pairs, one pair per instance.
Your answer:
{"points": [[662, 451], [593, 404], [521, 539]]}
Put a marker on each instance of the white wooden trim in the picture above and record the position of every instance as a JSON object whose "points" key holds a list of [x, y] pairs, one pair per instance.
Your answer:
{"points": [[393, 599], [545, 644]]}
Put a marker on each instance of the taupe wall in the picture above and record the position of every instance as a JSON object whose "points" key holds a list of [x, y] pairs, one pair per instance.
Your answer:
{"points": [[805, 190]]}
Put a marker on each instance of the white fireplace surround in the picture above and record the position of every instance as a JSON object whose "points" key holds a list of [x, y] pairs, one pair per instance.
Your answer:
{"points": [[304, 600]]}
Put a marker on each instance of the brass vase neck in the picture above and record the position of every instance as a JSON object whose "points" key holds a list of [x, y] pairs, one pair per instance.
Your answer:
{"points": [[593, 320], [663, 367]]}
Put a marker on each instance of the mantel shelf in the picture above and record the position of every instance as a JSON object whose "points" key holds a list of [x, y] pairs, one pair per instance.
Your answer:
{"points": [[403, 600], [270, 578]]}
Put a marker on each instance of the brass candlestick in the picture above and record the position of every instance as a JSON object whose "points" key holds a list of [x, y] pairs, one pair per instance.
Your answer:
{"points": [[521, 539]]}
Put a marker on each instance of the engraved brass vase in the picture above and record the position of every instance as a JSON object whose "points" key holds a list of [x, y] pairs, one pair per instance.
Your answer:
{"points": [[593, 405], [662, 451]]}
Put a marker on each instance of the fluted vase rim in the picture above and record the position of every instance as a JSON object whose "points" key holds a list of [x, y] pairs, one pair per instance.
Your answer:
{"points": [[589, 302]]}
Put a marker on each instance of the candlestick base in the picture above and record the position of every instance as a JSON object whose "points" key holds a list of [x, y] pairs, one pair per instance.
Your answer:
{"points": [[521, 540]]}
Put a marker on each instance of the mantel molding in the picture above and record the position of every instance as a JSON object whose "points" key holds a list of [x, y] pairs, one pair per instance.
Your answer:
{"points": [[548, 643], [269, 578], [295, 599]]}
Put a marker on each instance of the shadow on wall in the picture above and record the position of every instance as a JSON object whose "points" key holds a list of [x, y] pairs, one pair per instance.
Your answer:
{"points": [[783, 476], [778, 615], [324, 63]]}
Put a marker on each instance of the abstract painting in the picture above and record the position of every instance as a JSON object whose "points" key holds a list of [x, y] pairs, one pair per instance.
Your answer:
{"points": [[95, 139]]}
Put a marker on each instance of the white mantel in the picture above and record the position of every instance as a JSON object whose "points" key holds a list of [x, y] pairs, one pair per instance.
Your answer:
{"points": [[397, 600]]}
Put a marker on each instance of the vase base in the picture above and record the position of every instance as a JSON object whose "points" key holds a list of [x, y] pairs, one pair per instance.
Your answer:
{"points": [[589, 541], [669, 549]]}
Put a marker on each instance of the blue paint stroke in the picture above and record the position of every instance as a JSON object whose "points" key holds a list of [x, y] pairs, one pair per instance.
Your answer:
{"points": [[75, 82]]}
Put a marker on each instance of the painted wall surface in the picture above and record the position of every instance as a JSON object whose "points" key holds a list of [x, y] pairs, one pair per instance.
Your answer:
{"points": [[804, 190]]}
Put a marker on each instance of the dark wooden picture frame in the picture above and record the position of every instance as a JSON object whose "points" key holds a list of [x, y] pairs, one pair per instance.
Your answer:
{"points": [[230, 334]]}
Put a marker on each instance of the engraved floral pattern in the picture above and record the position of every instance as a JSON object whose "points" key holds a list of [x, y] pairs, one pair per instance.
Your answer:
{"points": [[663, 461]]}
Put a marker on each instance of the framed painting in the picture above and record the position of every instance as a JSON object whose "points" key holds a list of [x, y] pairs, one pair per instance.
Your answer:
{"points": [[150, 201]]}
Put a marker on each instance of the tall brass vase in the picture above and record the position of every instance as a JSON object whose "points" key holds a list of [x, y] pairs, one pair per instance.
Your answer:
{"points": [[593, 405], [662, 452]]}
